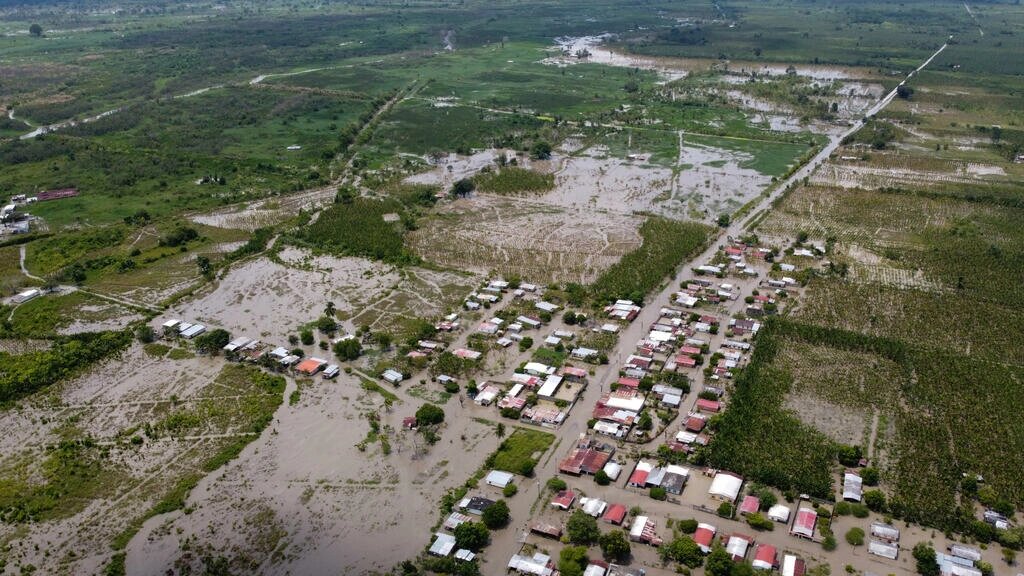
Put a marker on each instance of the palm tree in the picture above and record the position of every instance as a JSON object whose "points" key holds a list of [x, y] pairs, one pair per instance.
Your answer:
{"points": [[329, 310]]}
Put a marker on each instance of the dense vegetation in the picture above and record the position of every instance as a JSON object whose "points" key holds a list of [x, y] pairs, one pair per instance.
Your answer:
{"points": [[358, 227], [23, 374], [665, 245], [514, 180], [943, 430]]}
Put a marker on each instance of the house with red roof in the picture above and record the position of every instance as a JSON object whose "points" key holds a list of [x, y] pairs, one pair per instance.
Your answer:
{"points": [[629, 382], [615, 514], [749, 505], [638, 479], [806, 518], [564, 499], [764, 557], [705, 405], [704, 535]]}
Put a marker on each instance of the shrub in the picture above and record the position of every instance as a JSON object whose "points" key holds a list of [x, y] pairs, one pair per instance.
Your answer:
{"points": [[759, 522], [659, 493], [829, 543], [556, 484], [725, 510], [688, 526], [510, 490]]}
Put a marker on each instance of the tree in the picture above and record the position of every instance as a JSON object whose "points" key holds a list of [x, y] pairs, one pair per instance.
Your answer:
{"points": [[525, 344], [659, 493], [510, 490], [582, 528], [614, 546], [828, 544], [742, 569], [203, 263], [855, 536], [904, 91], [849, 455], [718, 563], [383, 340], [213, 340], [348, 349], [541, 150], [683, 550], [496, 515], [875, 500], [471, 536], [572, 560], [429, 414], [766, 498], [870, 476], [330, 309], [306, 336], [924, 557], [723, 220], [602, 478], [463, 188], [326, 324], [35, 30], [645, 422], [500, 430], [145, 334]]}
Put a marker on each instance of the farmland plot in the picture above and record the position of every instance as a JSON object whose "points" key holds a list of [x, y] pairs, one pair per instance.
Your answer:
{"points": [[528, 239], [908, 406]]}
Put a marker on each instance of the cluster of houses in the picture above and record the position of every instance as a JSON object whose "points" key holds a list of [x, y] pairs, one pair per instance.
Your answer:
{"points": [[541, 564], [959, 560], [494, 290], [245, 349], [535, 393]]}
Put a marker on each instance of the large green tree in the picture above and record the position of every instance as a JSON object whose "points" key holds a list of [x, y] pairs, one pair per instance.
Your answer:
{"points": [[614, 546], [472, 536], [582, 528]]}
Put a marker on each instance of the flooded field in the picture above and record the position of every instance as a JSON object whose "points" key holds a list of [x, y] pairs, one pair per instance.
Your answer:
{"points": [[267, 299], [304, 499], [527, 238]]}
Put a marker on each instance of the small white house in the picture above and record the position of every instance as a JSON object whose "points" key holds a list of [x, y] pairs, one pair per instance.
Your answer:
{"points": [[499, 478]]}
